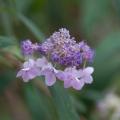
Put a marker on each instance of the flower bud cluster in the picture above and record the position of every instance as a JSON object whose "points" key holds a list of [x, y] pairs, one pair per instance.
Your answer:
{"points": [[64, 50]]}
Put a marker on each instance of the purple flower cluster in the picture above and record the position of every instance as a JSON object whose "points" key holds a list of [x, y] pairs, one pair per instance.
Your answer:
{"points": [[64, 50], [59, 49]]}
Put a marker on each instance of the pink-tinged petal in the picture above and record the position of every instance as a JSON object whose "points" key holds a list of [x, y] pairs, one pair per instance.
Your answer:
{"points": [[78, 84], [88, 79], [50, 79], [88, 70]]}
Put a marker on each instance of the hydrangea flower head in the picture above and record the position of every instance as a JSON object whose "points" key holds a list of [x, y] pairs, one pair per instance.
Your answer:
{"points": [[62, 51]]}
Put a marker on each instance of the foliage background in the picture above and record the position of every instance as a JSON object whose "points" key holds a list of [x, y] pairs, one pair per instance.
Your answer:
{"points": [[97, 21]]}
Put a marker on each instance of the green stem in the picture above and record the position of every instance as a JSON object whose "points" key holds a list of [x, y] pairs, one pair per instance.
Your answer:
{"points": [[84, 64]]}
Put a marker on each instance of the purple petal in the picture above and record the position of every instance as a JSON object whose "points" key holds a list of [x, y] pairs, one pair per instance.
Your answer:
{"points": [[60, 75], [30, 63], [88, 70], [78, 84], [25, 76], [88, 79], [33, 73], [41, 62], [36, 71], [29, 70], [67, 83], [50, 78]]}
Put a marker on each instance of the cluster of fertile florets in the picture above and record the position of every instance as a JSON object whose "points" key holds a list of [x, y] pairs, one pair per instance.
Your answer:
{"points": [[58, 50]]}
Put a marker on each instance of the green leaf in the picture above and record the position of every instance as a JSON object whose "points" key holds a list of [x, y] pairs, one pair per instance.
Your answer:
{"points": [[39, 105], [6, 19], [22, 6], [15, 51], [109, 46], [6, 77], [63, 103], [107, 60], [94, 12], [32, 27], [7, 41]]}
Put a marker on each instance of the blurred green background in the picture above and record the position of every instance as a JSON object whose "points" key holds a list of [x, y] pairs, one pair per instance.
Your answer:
{"points": [[98, 22]]}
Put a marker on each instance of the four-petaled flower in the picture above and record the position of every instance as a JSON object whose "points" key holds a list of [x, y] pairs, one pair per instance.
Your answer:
{"points": [[76, 78], [29, 70]]}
